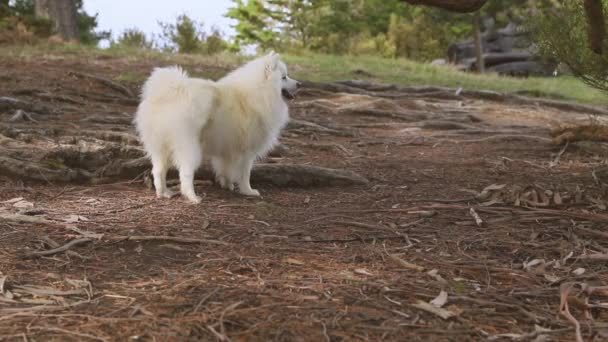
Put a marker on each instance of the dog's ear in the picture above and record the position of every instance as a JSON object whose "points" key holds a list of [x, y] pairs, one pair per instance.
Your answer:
{"points": [[272, 63]]}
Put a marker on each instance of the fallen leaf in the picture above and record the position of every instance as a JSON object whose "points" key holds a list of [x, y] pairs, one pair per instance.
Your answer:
{"points": [[363, 271], [435, 275], [443, 313], [292, 261], [23, 204], [557, 198], [476, 216], [71, 219], [528, 265], [441, 299], [551, 278], [405, 264], [307, 200], [579, 271], [423, 213], [2, 284], [484, 194], [14, 200]]}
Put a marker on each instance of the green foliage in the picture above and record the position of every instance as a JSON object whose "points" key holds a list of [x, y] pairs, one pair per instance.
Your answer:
{"points": [[215, 43], [255, 23], [387, 27], [561, 35], [188, 36], [184, 36], [390, 28], [133, 38]]}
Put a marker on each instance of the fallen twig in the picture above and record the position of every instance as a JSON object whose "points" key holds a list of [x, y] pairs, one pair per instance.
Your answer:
{"points": [[69, 332], [476, 216], [564, 310], [165, 238], [58, 249], [405, 264], [430, 308]]}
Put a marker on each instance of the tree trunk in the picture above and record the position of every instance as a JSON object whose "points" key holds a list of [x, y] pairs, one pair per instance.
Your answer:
{"points": [[63, 13], [596, 30], [478, 43]]}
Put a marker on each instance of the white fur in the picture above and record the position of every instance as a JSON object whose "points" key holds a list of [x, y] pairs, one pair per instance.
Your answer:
{"points": [[231, 122]]}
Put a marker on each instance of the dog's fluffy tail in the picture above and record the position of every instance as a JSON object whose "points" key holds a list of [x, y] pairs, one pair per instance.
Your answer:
{"points": [[165, 82]]}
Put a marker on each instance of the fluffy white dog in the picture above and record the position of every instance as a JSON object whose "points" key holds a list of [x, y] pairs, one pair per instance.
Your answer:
{"points": [[232, 122]]}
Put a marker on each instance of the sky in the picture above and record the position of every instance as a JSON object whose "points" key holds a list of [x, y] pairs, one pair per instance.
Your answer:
{"points": [[118, 15]]}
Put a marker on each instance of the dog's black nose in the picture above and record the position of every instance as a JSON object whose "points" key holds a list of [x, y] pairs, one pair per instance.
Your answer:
{"points": [[298, 84]]}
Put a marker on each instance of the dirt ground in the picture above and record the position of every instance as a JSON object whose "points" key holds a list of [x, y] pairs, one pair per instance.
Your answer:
{"points": [[472, 225]]}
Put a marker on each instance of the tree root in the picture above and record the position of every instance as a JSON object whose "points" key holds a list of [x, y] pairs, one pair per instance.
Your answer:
{"points": [[277, 174], [395, 91], [12, 104], [311, 126], [106, 82]]}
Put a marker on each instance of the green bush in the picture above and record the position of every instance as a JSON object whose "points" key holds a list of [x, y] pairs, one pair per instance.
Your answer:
{"points": [[133, 38], [561, 34], [188, 36]]}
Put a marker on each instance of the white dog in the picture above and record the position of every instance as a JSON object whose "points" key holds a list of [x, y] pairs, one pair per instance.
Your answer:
{"points": [[232, 122]]}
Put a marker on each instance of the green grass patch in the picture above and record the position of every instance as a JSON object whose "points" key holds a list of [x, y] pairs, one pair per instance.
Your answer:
{"points": [[323, 68]]}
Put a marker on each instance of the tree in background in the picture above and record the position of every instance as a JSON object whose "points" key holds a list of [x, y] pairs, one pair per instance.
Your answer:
{"points": [[62, 13], [188, 36], [256, 23], [133, 38], [184, 36], [41, 17]]}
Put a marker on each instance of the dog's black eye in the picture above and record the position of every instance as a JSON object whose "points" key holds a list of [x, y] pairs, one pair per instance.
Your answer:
{"points": [[284, 78]]}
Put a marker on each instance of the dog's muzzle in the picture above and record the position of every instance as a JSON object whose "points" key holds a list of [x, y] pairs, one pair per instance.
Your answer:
{"points": [[287, 94]]}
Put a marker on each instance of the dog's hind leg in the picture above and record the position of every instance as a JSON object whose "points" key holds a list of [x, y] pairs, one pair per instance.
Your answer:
{"points": [[188, 156], [221, 176], [244, 166], [160, 166]]}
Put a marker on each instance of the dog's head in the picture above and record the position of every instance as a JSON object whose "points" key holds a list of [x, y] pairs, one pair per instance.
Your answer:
{"points": [[276, 71]]}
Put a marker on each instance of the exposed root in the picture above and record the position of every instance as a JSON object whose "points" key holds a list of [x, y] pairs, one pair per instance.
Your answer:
{"points": [[21, 115], [108, 83], [57, 250], [313, 127], [394, 91]]}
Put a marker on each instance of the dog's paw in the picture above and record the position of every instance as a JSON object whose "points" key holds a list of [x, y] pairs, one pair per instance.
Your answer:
{"points": [[194, 199], [251, 192], [166, 194], [225, 184]]}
